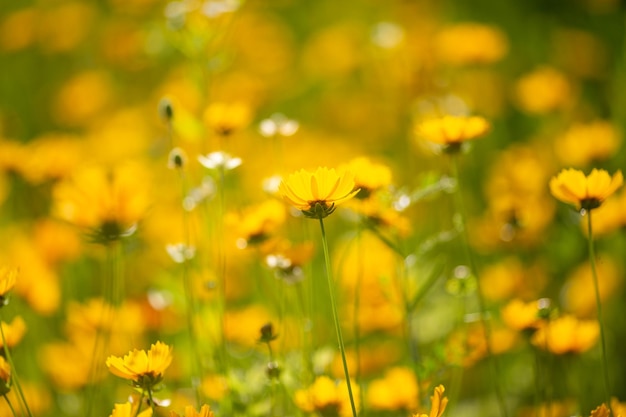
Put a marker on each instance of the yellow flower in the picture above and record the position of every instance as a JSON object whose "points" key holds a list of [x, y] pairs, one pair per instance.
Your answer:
{"points": [[543, 90], [317, 193], [108, 202], [129, 410], [144, 368], [519, 315], [438, 403], [397, 390], [584, 143], [368, 176], [224, 119], [601, 411], [205, 411], [567, 334], [469, 43], [14, 332], [585, 192], [451, 131], [7, 280], [326, 396]]}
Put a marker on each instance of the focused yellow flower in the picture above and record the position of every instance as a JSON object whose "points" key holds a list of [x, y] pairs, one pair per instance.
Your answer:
{"points": [[205, 411], [438, 403], [7, 281], [129, 410], [317, 193], [451, 131], [585, 192], [143, 368]]}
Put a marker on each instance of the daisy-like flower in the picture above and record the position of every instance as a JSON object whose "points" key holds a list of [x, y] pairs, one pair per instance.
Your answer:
{"points": [[205, 411], [438, 403], [585, 192], [145, 369], [451, 131], [317, 193], [220, 160]]}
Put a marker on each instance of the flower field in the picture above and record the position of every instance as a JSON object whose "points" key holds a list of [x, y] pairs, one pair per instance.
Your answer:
{"points": [[338, 209]]}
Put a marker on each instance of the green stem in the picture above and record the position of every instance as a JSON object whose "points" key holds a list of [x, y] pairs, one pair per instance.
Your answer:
{"points": [[596, 287], [479, 293], [10, 405], [14, 377], [151, 399], [191, 308], [342, 348], [143, 393]]}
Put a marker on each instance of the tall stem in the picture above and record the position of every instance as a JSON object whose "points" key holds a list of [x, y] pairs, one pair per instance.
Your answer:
{"points": [[14, 377], [479, 293], [191, 308], [596, 287], [342, 348], [10, 405]]}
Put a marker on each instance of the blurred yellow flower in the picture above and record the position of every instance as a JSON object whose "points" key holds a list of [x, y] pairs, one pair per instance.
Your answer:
{"points": [[82, 98], [519, 315], [256, 224], [144, 368], [327, 396], [224, 119], [18, 29], [368, 176], [451, 131], [601, 411], [397, 390], [63, 27], [14, 332], [609, 217], [585, 192], [317, 193], [8, 277], [470, 43], [109, 203], [129, 410], [567, 334], [438, 403], [543, 90], [585, 143], [205, 411], [578, 291]]}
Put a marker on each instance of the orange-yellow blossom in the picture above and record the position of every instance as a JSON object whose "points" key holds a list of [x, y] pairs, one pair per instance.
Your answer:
{"points": [[451, 130], [438, 403], [588, 192], [139, 364], [317, 193]]}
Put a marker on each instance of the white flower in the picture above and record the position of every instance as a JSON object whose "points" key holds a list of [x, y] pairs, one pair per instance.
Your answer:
{"points": [[179, 252], [278, 125], [219, 159]]}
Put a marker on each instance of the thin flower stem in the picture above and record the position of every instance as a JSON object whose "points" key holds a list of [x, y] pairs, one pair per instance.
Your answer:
{"points": [[10, 405], [596, 287], [143, 393], [342, 348], [191, 308], [479, 293], [150, 398], [14, 378]]}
